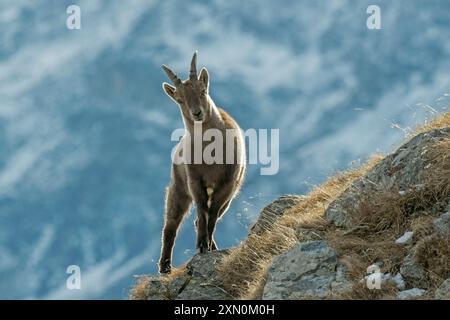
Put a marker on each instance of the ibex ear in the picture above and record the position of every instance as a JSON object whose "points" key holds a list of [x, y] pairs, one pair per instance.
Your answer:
{"points": [[204, 77], [170, 90]]}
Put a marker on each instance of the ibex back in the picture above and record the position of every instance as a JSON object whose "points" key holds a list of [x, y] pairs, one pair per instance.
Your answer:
{"points": [[210, 186]]}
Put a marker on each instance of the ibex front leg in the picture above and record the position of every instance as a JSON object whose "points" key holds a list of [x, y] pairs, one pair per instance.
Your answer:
{"points": [[177, 205], [201, 201], [202, 230]]}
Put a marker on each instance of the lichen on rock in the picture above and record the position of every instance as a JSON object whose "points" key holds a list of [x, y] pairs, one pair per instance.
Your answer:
{"points": [[309, 270]]}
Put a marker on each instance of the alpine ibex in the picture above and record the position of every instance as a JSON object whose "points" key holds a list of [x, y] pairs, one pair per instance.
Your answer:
{"points": [[211, 186]]}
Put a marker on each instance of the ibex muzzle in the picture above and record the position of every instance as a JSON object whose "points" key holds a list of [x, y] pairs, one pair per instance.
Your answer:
{"points": [[210, 186]]}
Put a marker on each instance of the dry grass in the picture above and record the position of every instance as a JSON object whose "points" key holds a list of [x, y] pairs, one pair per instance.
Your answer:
{"points": [[244, 270], [382, 219], [440, 121], [433, 254], [387, 215], [140, 290]]}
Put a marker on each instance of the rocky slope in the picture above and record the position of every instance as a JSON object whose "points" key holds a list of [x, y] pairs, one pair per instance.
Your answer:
{"points": [[381, 231]]}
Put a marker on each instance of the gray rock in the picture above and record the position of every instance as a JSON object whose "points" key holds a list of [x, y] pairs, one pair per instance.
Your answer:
{"points": [[411, 293], [309, 270], [399, 282], [202, 284], [401, 170], [177, 285], [198, 282], [341, 282], [443, 292], [155, 288], [205, 264], [273, 211], [411, 271], [442, 225]]}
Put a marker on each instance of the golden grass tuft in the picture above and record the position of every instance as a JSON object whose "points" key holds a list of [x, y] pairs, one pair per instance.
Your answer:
{"points": [[140, 291], [440, 121]]}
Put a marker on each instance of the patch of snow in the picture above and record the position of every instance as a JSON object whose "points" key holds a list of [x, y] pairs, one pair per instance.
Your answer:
{"points": [[405, 238]]}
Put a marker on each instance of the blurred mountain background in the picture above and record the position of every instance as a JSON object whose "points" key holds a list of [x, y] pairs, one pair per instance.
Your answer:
{"points": [[85, 126]]}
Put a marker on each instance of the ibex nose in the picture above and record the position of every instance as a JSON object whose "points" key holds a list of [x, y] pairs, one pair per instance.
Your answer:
{"points": [[197, 114]]}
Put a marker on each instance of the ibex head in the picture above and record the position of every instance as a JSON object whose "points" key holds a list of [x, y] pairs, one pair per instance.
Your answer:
{"points": [[191, 94]]}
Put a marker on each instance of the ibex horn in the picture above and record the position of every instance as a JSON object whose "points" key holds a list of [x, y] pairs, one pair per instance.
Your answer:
{"points": [[172, 76], [193, 73]]}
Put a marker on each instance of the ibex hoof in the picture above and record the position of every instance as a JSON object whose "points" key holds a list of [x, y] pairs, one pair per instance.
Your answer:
{"points": [[164, 269], [213, 246], [202, 248]]}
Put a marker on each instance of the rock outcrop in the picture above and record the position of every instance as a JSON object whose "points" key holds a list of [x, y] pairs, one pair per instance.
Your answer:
{"points": [[401, 172], [274, 211], [310, 270], [420, 236], [198, 281], [411, 294], [443, 292]]}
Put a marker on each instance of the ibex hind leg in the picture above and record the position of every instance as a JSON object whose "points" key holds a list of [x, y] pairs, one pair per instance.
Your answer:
{"points": [[178, 203], [213, 245]]}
